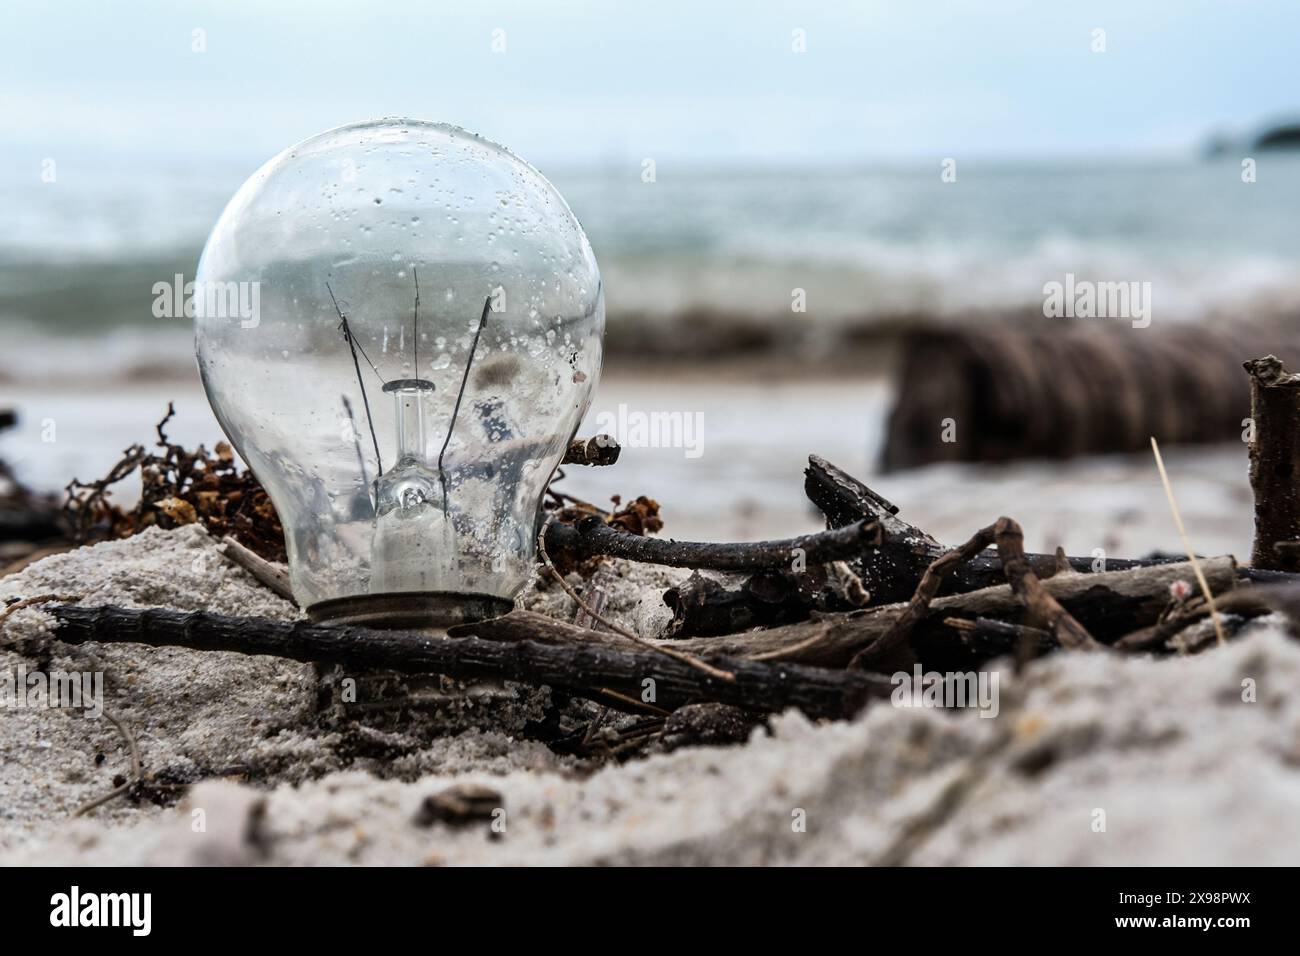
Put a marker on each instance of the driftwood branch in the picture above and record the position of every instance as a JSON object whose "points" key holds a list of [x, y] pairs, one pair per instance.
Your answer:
{"points": [[893, 570], [600, 450], [269, 573], [1043, 608], [931, 580], [592, 537], [703, 605], [1109, 604], [992, 638], [578, 669], [1275, 463]]}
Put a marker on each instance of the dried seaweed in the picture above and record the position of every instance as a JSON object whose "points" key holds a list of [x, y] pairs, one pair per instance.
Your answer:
{"points": [[178, 487]]}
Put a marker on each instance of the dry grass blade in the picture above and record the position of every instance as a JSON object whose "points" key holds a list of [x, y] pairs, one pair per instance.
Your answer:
{"points": [[1187, 544], [595, 616], [136, 771]]}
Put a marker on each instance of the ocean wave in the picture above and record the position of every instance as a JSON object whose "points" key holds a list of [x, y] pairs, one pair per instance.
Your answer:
{"points": [[711, 263]]}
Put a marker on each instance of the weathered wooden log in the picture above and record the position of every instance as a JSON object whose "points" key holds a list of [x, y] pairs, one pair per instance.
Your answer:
{"points": [[1054, 388], [1275, 463], [587, 668]]}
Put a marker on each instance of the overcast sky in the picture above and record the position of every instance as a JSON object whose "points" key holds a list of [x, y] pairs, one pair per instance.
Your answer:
{"points": [[588, 83]]}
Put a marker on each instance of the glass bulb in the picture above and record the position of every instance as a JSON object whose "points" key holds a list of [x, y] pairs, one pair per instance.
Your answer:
{"points": [[426, 334]]}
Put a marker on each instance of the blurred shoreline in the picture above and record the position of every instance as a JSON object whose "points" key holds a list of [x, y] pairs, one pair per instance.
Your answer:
{"points": [[746, 482]]}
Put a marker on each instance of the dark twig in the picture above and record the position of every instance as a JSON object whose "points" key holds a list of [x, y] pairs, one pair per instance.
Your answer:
{"points": [[591, 536], [582, 669], [989, 636], [1042, 607], [600, 450], [136, 773], [919, 605], [893, 570]]}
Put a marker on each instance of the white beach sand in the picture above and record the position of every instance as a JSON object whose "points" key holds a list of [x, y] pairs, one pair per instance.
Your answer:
{"points": [[1183, 769]]}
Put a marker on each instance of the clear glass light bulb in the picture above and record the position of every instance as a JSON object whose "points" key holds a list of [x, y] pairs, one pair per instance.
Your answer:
{"points": [[424, 336]]}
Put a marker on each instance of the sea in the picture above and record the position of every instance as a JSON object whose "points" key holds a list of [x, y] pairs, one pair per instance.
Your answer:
{"points": [[79, 255]]}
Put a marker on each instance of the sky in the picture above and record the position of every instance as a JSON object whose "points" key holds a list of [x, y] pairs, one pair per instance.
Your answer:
{"points": [[592, 83]]}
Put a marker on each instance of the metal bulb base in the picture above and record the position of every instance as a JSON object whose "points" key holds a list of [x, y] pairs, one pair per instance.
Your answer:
{"points": [[409, 609]]}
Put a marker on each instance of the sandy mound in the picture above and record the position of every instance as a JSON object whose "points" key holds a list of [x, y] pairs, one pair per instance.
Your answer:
{"points": [[1092, 759]]}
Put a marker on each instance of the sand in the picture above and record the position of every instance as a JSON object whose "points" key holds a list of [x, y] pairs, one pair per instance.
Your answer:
{"points": [[1092, 759]]}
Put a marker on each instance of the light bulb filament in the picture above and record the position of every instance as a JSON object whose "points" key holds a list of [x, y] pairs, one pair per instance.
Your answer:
{"points": [[469, 361], [365, 399]]}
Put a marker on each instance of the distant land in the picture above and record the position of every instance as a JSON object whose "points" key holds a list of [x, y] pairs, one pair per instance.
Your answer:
{"points": [[1281, 135]]}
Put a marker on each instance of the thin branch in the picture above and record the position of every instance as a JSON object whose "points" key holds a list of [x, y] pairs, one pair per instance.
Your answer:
{"points": [[32, 601], [595, 616], [268, 573], [901, 629], [1000, 636], [136, 774], [592, 537], [1038, 601], [601, 450]]}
